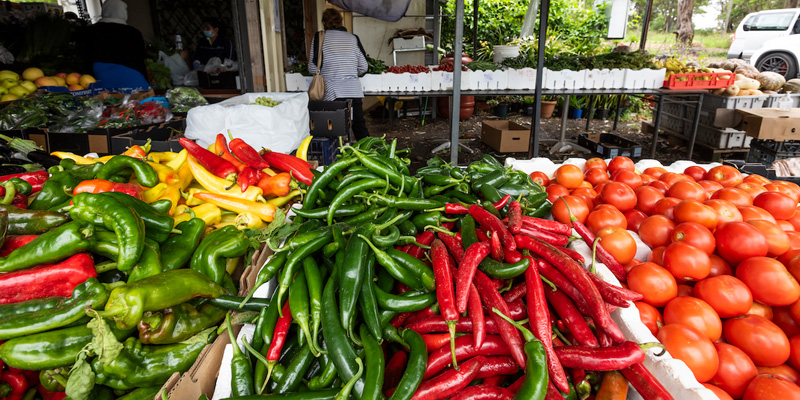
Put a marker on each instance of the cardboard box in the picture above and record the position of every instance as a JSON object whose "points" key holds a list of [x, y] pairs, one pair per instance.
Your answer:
{"points": [[762, 123], [94, 141], [163, 137], [506, 136]]}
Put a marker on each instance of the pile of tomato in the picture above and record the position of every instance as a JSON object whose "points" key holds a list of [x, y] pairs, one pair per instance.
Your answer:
{"points": [[448, 67], [411, 69], [720, 287]]}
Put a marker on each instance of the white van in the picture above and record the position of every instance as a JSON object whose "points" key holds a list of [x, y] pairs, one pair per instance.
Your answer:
{"points": [[757, 28]]}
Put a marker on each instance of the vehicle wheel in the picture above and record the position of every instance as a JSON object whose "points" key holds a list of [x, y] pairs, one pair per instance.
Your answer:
{"points": [[781, 63]]}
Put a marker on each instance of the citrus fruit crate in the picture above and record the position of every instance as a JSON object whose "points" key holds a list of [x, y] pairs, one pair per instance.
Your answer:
{"points": [[700, 80]]}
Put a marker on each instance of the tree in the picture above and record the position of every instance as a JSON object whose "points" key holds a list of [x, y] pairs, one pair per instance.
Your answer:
{"points": [[684, 31]]}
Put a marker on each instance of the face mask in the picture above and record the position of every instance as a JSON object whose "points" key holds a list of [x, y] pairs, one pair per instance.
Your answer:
{"points": [[208, 34]]}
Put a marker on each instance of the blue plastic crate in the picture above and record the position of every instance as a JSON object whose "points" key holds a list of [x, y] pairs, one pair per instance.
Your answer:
{"points": [[324, 150]]}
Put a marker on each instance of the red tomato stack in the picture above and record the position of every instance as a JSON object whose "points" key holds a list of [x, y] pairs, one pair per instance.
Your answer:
{"points": [[720, 287]]}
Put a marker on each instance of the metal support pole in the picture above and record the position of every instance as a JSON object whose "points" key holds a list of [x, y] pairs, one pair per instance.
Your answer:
{"points": [[618, 111], [590, 114], [455, 112], [646, 23], [656, 124], [475, 29], [533, 148], [695, 122], [562, 139], [437, 30]]}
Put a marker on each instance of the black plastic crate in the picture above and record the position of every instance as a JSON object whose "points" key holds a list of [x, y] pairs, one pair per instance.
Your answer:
{"points": [[329, 118], [17, 133], [760, 169], [766, 155], [788, 146], [609, 145], [324, 150]]}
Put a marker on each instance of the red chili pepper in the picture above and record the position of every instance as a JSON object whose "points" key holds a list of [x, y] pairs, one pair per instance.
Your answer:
{"points": [[449, 382], [539, 318], [602, 358], [425, 239], [279, 335], [442, 265], [563, 284], [48, 395], [453, 245], [552, 392], [574, 321], [455, 208], [247, 177], [496, 248], [514, 387], [516, 310], [577, 275], [402, 288], [434, 341], [615, 295], [482, 236], [512, 256], [19, 201], [516, 292], [16, 382], [573, 255], [552, 238], [436, 324], [449, 225], [479, 323], [494, 366], [300, 169], [439, 359], [247, 154], [604, 340], [394, 370], [14, 242], [50, 280], [421, 314], [399, 320], [221, 147], [491, 222], [36, 179], [514, 217], [645, 383], [502, 202], [492, 299], [466, 271], [210, 161], [547, 225], [602, 254]]}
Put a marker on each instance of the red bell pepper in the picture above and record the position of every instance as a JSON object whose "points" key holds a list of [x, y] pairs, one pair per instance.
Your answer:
{"points": [[48, 280], [36, 179], [210, 161], [14, 242], [247, 154], [17, 385], [100, 186], [48, 395], [300, 169]]}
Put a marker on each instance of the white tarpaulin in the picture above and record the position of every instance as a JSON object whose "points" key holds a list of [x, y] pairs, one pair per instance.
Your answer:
{"points": [[385, 10], [280, 128]]}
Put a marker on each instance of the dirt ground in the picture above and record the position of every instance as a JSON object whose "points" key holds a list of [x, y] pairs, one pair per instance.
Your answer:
{"points": [[422, 139]]}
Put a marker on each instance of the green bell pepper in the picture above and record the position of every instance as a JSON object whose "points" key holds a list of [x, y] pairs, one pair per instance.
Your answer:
{"points": [[178, 249], [210, 256], [145, 174]]}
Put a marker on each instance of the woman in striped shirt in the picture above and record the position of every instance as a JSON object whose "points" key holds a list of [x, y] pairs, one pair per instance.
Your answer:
{"points": [[343, 60]]}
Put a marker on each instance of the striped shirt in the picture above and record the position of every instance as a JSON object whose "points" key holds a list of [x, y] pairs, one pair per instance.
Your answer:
{"points": [[343, 61]]}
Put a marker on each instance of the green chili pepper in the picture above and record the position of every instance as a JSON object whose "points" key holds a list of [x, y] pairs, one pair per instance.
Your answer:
{"points": [[323, 180], [415, 367], [398, 272], [298, 304], [178, 323], [440, 180], [210, 256], [407, 228], [269, 318], [32, 222], [388, 240], [314, 282], [267, 272], [340, 350], [347, 193], [117, 217], [434, 218], [368, 216], [158, 226], [327, 394], [490, 193], [406, 203], [140, 365], [489, 206], [83, 172], [352, 275], [55, 191], [145, 174], [241, 369], [178, 249], [430, 170], [294, 261], [324, 379], [353, 176], [291, 380], [146, 393], [461, 196], [39, 315], [375, 366], [384, 280], [320, 213], [407, 261], [389, 331], [128, 303], [62, 242], [541, 211], [149, 262], [513, 189], [382, 170], [161, 206], [499, 270], [406, 302], [534, 386], [367, 302]]}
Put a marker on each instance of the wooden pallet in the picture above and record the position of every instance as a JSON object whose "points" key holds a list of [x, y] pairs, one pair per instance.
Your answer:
{"points": [[702, 151]]}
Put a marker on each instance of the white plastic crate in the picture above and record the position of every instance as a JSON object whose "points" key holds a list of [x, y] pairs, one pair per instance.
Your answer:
{"points": [[604, 78], [747, 140], [719, 138], [443, 80], [297, 82], [644, 78], [407, 82], [772, 102], [371, 82], [564, 79], [713, 102], [522, 78], [488, 80]]}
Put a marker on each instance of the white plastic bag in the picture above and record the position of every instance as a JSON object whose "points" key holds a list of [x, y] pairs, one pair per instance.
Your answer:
{"points": [[177, 67], [281, 128]]}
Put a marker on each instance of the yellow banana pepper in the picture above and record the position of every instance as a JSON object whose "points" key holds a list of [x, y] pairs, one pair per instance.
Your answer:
{"points": [[302, 151], [217, 185], [282, 201], [265, 211], [165, 174], [185, 176], [190, 199], [162, 157], [78, 159], [173, 194], [137, 151], [248, 220], [209, 213], [228, 216], [154, 193], [176, 162]]}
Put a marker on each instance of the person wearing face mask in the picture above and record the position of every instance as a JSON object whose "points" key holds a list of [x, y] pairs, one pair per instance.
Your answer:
{"points": [[212, 45]]}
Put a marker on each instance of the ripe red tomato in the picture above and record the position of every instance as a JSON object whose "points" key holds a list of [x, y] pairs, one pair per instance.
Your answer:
{"points": [[726, 211], [794, 239], [719, 266], [697, 172], [759, 338], [695, 211], [650, 317], [788, 188], [727, 295], [753, 189], [777, 239], [646, 198], [647, 179], [555, 191], [710, 187], [666, 207], [721, 394], [695, 313], [769, 281], [671, 178], [765, 387], [794, 311], [618, 242], [692, 347], [782, 371], [635, 218], [619, 195], [725, 175], [656, 230], [596, 176], [686, 262], [620, 163], [731, 238], [735, 370], [628, 268], [661, 186], [541, 178], [657, 255], [760, 310], [785, 225], [788, 256], [795, 220], [685, 290], [696, 235], [605, 217], [629, 178], [586, 193], [595, 162], [655, 172], [688, 190], [782, 317], [568, 175], [577, 207], [737, 197], [778, 204], [794, 352], [753, 212], [654, 282], [753, 178]]}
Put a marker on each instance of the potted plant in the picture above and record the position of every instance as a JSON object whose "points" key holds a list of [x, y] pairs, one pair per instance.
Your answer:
{"points": [[500, 106], [604, 106], [576, 107], [528, 104], [548, 106], [514, 103]]}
